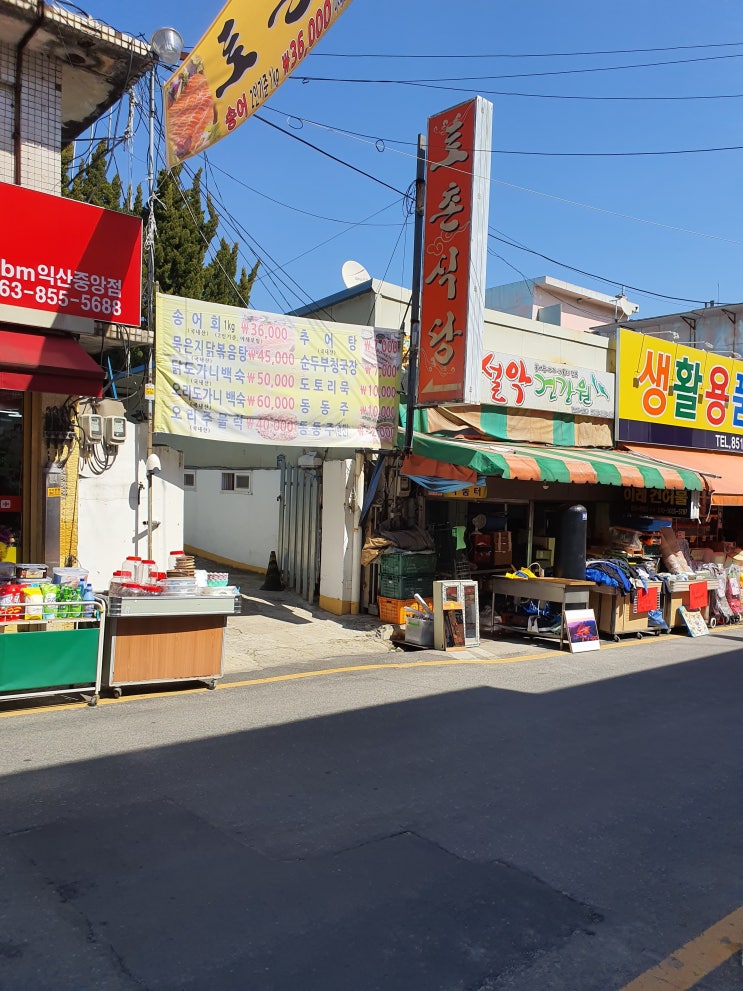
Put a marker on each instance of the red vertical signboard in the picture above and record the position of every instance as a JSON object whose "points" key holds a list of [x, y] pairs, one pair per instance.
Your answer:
{"points": [[455, 253]]}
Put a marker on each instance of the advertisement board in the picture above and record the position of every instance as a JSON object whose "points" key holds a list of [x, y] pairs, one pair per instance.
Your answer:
{"points": [[455, 254], [530, 383], [675, 395], [91, 268], [231, 374], [247, 53]]}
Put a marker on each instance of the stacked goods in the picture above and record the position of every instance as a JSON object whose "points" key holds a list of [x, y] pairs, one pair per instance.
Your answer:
{"points": [[184, 566], [403, 574], [502, 547]]}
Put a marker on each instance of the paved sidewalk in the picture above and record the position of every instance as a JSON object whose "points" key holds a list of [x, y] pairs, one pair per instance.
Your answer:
{"points": [[280, 631]]}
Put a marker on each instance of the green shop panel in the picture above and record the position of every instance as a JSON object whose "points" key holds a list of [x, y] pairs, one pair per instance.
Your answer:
{"points": [[48, 659]]}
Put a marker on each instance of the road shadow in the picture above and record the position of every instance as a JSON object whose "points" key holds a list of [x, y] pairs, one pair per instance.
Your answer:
{"points": [[432, 844]]}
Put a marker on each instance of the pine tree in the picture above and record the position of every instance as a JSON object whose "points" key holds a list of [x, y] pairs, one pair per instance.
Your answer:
{"points": [[222, 284]]}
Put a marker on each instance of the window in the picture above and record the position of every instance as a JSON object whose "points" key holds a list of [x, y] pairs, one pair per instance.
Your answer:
{"points": [[234, 481], [189, 479]]}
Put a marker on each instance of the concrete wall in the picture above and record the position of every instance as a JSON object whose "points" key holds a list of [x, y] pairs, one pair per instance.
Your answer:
{"points": [[238, 528], [113, 510]]}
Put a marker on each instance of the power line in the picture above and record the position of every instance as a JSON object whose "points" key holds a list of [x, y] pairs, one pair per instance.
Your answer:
{"points": [[526, 75], [381, 143], [591, 275], [613, 51], [327, 154]]}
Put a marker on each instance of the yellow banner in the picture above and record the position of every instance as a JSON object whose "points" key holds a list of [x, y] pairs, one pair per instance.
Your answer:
{"points": [[230, 374], [677, 395], [246, 54]]}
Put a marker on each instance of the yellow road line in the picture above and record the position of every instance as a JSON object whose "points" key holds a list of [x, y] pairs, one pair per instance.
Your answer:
{"points": [[295, 676], [321, 673], [695, 959]]}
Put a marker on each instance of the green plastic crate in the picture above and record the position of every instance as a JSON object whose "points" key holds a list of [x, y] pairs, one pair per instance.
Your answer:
{"points": [[407, 565], [405, 588]]}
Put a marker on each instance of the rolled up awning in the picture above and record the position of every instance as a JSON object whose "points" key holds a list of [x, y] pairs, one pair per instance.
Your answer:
{"points": [[723, 473], [37, 362], [547, 463]]}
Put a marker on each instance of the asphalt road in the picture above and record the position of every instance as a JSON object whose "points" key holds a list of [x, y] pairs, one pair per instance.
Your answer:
{"points": [[566, 822]]}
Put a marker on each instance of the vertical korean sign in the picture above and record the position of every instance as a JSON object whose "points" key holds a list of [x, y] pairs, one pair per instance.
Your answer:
{"points": [[455, 254], [247, 53], [225, 373]]}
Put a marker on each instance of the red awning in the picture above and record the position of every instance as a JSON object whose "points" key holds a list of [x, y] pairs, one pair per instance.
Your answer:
{"points": [[723, 472], [45, 363]]}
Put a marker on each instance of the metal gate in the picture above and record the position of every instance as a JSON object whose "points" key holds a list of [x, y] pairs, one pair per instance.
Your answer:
{"points": [[300, 500]]}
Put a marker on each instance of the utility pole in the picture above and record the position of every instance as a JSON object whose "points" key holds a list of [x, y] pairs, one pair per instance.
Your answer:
{"points": [[415, 307]]}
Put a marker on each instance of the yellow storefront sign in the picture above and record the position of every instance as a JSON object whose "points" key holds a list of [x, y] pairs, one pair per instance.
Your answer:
{"points": [[246, 54], [676, 395], [230, 374]]}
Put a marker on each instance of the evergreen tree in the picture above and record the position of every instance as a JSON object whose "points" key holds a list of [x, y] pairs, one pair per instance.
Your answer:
{"points": [[222, 284], [184, 233], [186, 223]]}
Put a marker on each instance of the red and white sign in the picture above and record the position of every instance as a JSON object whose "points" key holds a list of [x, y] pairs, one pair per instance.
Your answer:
{"points": [[455, 254], [58, 256], [10, 504]]}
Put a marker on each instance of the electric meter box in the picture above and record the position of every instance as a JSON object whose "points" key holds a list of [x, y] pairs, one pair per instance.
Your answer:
{"points": [[91, 425], [115, 429]]}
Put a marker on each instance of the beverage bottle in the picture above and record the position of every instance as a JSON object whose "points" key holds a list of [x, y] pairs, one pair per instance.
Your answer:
{"points": [[88, 602]]}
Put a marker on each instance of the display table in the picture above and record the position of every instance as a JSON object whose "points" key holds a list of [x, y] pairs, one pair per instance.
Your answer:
{"points": [[693, 595], [56, 655], [620, 615], [159, 639], [566, 591]]}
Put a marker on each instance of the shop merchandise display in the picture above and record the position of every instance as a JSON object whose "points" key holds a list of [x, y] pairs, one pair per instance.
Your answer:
{"points": [[27, 594]]}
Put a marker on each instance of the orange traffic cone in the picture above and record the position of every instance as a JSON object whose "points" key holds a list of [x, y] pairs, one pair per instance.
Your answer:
{"points": [[273, 576]]}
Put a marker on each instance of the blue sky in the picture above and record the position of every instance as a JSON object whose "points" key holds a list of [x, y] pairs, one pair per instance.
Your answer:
{"points": [[664, 224]]}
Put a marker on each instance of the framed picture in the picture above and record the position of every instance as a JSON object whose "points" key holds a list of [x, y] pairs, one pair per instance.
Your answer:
{"points": [[583, 633], [694, 621]]}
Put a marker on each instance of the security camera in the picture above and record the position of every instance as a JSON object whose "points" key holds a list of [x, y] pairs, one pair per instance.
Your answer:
{"points": [[153, 464]]}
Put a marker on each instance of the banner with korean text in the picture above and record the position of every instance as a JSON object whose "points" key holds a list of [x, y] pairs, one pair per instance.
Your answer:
{"points": [[231, 374], [455, 254], [532, 383], [247, 53], [674, 395]]}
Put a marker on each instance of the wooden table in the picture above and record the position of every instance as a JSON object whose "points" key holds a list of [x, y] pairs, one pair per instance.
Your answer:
{"points": [[566, 591]]}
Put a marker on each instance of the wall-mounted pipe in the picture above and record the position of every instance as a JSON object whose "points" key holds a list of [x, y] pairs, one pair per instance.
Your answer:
{"points": [[18, 90]]}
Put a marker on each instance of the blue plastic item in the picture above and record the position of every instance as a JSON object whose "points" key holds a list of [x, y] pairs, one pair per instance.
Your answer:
{"points": [[88, 601]]}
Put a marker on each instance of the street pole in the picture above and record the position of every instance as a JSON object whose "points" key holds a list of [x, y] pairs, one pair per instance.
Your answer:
{"points": [[415, 304], [150, 248]]}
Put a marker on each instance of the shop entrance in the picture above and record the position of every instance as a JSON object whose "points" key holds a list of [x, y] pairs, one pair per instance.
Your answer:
{"points": [[11, 461]]}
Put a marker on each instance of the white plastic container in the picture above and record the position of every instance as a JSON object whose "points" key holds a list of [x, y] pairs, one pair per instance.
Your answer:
{"points": [[69, 576]]}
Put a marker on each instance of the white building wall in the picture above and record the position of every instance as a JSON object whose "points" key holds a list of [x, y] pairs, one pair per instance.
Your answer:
{"points": [[237, 528], [113, 509], [343, 495]]}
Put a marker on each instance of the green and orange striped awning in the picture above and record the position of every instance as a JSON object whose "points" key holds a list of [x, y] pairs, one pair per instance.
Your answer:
{"points": [[545, 463]]}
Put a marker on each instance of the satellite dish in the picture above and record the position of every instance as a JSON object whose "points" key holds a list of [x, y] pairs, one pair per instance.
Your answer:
{"points": [[354, 274]]}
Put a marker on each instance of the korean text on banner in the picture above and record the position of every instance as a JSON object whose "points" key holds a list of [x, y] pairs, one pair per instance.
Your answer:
{"points": [[246, 54], [91, 271], [531, 383], [675, 395], [230, 374], [455, 254]]}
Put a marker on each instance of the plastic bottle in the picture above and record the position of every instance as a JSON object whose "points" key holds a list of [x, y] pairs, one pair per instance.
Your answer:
{"points": [[88, 602]]}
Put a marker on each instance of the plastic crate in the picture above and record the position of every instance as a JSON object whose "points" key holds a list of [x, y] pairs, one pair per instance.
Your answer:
{"points": [[393, 610], [405, 588], [407, 565]]}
